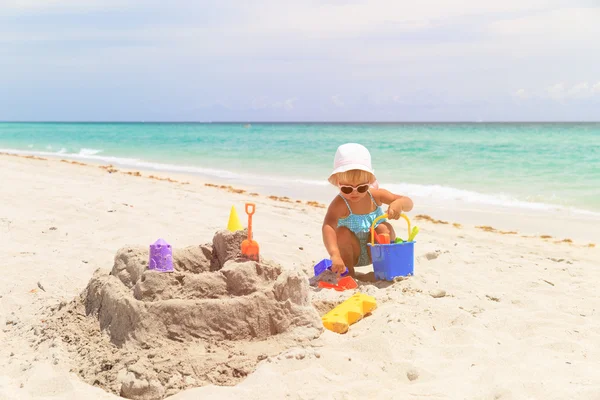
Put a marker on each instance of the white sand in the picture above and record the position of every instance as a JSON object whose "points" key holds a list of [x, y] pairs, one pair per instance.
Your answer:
{"points": [[519, 317]]}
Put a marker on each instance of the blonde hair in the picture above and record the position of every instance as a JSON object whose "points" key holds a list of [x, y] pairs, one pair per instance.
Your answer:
{"points": [[353, 177]]}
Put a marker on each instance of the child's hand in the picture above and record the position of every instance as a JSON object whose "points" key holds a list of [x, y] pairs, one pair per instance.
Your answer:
{"points": [[337, 265], [395, 209]]}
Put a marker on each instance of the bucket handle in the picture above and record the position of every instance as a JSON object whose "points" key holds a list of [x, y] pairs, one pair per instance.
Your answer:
{"points": [[382, 217]]}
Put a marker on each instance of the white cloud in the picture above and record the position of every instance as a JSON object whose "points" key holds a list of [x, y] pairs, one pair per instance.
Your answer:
{"points": [[564, 23], [580, 90], [319, 20], [561, 92], [337, 101], [286, 104], [259, 103], [19, 7], [289, 103], [556, 92], [313, 18], [262, 103], [268, 26], [521, 93]]}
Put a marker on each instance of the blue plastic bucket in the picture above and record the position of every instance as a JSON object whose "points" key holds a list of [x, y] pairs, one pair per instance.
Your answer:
{"points": [[392, 260]]}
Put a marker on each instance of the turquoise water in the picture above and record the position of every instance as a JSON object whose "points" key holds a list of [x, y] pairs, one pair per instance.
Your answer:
{"points": [[536, 165]]}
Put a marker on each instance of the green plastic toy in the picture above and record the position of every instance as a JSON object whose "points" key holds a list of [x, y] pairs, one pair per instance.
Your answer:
{"points": [[411, 237], [415, 231]]}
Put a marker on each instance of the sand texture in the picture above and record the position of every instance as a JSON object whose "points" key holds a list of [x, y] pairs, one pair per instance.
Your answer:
{"points": [[489, 314]]}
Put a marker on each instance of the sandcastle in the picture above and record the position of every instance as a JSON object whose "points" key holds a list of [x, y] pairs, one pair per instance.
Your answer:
{"points": [[212, 294], [145, 334]]}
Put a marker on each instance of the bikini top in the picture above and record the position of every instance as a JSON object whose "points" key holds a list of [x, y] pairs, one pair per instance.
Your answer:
{"points": [[360, 222]]}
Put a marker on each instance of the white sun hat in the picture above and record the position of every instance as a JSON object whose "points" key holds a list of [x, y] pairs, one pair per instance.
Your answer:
{"points": [[351, 156]]}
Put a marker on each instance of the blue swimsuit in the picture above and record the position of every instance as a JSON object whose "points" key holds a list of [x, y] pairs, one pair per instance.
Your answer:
{"points": [[360, 225]]}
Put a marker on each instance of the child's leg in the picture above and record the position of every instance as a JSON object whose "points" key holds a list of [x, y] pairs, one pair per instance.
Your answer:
{"points": [[386, 227], [349, 247]]}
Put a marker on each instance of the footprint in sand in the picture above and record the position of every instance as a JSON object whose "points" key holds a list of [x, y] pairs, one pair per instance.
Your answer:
{"points": [[432, 255], [412, 375]]}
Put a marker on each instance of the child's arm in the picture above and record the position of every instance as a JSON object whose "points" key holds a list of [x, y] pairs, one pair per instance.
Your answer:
{"points": [[334, 213], [397, 203]]}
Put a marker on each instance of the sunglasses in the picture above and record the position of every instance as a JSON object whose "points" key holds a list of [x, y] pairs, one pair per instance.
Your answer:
{"points": [[347, 189]]}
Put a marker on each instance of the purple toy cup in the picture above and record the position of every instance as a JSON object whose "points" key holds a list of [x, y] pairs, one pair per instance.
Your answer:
{"points": [[161, 257]]}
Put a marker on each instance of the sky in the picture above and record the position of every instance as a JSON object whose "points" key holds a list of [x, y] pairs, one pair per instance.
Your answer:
{"points": [[299, 60]]}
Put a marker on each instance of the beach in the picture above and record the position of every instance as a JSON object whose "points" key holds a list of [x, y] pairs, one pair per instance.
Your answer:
{"points": [[503, 303]]}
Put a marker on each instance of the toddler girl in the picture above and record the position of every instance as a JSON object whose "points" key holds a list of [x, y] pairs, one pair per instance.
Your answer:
{"points": [[353, 210]]}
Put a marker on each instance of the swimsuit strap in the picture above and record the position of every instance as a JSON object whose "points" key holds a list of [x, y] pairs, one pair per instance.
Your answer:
{"points": [[372, 198], [347, 205]]}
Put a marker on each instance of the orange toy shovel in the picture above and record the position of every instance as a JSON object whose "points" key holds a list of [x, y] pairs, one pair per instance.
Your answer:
{"points": [[249, 246]]}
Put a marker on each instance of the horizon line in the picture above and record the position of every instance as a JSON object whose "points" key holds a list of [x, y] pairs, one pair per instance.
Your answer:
{"points": [[297, 122]]}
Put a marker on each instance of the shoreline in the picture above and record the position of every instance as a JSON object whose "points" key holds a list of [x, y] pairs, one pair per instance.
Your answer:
{"points": [[296, 187], [494, 221]]}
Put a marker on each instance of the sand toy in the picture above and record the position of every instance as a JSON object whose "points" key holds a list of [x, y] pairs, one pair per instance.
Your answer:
{"points": [[161, 257], [413, 233], [393, 259], [325, 264], [383, 238], [345, 283], [249, 246], [234, 223], [350, 311]]}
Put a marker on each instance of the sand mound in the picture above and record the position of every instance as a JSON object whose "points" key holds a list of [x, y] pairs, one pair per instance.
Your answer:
{"points": [[210, 321]]}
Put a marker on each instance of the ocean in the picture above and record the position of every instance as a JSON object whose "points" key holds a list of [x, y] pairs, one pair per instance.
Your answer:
{"points": [[522, 165]]}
